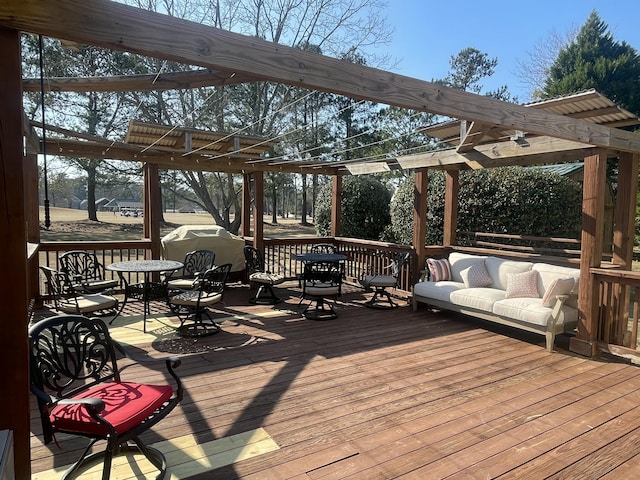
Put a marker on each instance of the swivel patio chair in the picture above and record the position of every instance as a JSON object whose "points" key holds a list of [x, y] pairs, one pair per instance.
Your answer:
{"points": [[86, 273], [195, 263], [193, 305], [257, 274], [324, 248], [67, 300], [76, 380], [321, 281], [387, 278]]}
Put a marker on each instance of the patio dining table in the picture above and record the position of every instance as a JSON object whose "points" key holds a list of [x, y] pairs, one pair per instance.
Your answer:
{"points": [[147, 290]]}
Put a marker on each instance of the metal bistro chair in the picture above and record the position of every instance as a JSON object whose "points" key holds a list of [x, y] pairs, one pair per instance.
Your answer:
{"points": [[195, 263], [194, 304], [85, 271], [387, 278], [324, 248], [67, 300], [76, 380], [321, 280], [318, 248], [257, 274]]}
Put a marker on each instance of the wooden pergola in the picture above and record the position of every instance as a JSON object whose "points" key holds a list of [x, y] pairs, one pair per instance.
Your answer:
{"points": [[224, 56]]}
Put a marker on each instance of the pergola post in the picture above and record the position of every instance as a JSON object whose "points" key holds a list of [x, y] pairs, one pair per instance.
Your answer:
{"points": [[420, 218], [452, 188], [245, 226], [593, 196], [152, 207], [258, 211], [336, 205], [623, 236], [14, 409]]}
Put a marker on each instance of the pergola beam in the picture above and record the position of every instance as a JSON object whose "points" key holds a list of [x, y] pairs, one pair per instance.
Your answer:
{"points": [[537, 150], [139, 83], [121, 27], [176, 161]]}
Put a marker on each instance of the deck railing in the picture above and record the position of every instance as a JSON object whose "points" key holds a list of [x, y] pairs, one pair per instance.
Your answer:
{"points": [[363, 257], [619, 309]]}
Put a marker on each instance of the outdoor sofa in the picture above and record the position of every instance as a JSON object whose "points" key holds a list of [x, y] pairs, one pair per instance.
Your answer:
{"points": [[536, 297]]}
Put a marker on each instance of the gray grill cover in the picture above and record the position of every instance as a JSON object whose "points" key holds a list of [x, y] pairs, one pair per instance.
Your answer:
{"points": [[228, 248]]}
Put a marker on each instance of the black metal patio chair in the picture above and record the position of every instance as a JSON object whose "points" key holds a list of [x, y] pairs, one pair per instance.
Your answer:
{"points": [[195, 263], [76, 380], [386, 278], [321, 281], [259, 275], [67, 300], [86, 273], [193, 305]]}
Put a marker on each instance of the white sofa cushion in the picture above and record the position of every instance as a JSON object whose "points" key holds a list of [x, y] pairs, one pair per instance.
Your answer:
{"points": [[437, 290], [459, 261], [530, 310], [498, 269], [548, 273], [479, 298]]}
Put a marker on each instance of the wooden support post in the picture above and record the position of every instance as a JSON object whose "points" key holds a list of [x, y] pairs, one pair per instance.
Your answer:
{"points": [[593, 194], [245, 226], [623, 236], [336, 206], [452, 188], [258, 211], [14, 407], [152, 207], [420, 220]]}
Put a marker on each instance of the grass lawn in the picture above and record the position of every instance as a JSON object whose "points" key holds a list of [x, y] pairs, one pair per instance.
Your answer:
{"points": [[72, 225]]}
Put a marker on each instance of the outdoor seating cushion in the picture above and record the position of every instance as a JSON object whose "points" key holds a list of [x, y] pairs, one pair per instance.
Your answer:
{"points": [[499, 268], [126, 405], [531, 310], [460, 261], [379, 281], [438, 291], [264, 277], [322, 289], [190, 298], [481, 298], [181, 283], [439, 269], [88, 303], [95, 285]]}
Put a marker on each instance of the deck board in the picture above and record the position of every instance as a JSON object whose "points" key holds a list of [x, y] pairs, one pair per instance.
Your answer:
{"points": [[385, 394]]}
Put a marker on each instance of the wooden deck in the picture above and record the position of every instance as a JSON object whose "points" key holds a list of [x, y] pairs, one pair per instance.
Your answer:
{"points": [[379, 395]]}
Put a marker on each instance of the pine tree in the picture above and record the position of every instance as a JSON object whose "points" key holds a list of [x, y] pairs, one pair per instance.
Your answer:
{"points": [[595, 60]]}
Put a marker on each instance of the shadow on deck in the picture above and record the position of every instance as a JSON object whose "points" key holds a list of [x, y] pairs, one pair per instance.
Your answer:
{"points": [[382, 394]]}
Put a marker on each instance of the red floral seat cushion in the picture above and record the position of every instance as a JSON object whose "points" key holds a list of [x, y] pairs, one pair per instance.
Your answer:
{"points": [[126, 405]]}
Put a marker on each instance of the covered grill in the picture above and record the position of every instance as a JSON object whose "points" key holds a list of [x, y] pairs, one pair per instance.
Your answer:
{"points": [[228, 248]]}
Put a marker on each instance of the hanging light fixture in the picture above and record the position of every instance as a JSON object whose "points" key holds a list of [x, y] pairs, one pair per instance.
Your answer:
{"points": [[47, 216]]}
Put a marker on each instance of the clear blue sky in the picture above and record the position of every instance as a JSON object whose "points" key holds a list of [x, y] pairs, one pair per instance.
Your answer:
{"points": [[427, 32]]}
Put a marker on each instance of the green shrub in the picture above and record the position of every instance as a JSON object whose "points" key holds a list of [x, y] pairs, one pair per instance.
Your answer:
{"points": [[513, 200], [365, 208]]}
